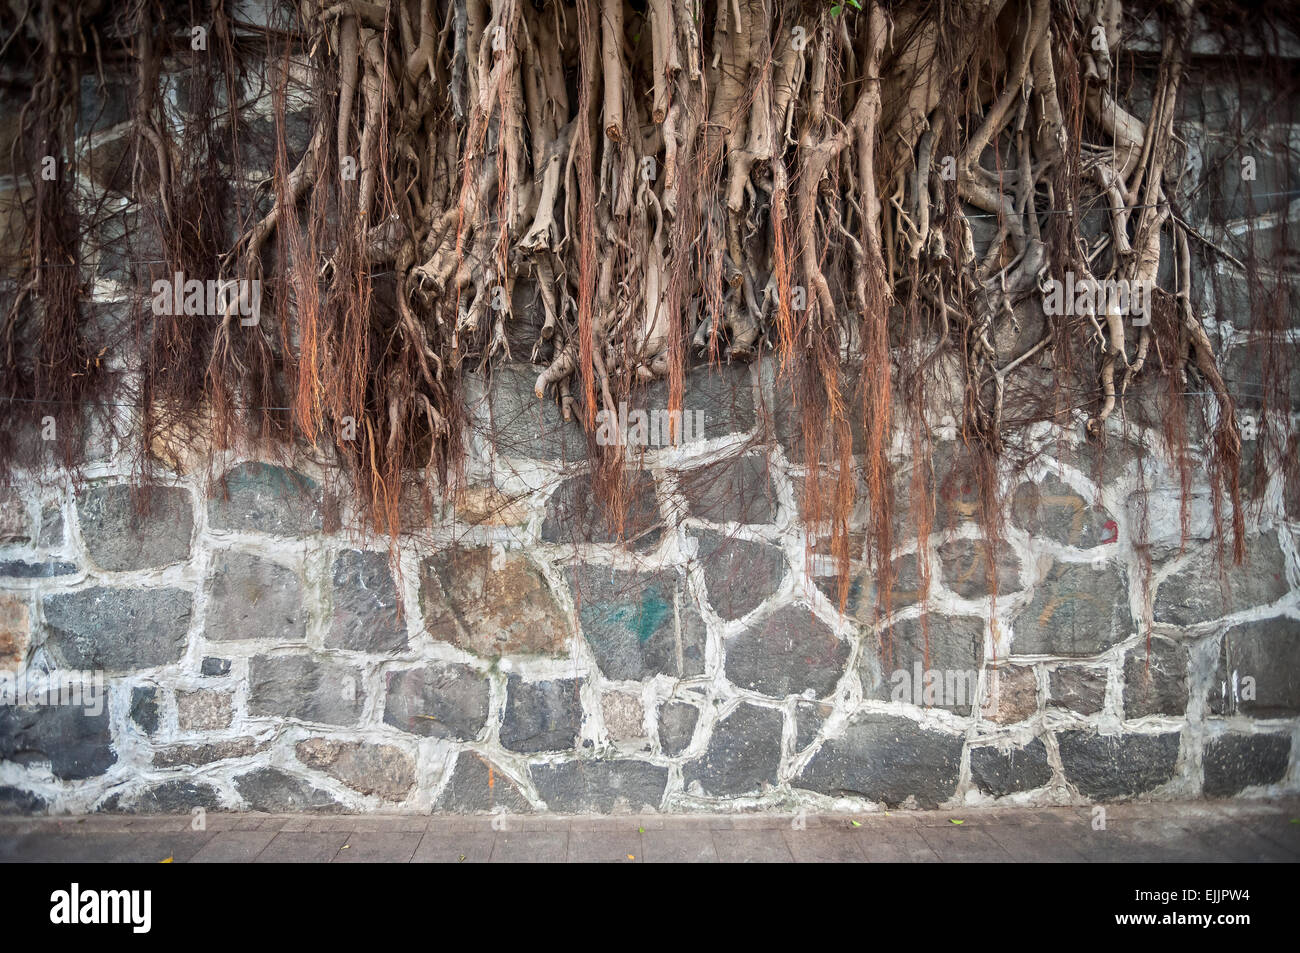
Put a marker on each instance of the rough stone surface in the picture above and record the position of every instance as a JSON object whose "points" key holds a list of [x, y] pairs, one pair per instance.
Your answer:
{"points": [[261, 498], [743, 755], [170, 797], [1267, 651], [491, 603], [365, 604], [1012, 694], [15, 632], [1000, 773], [1105, 768], [1234, 762], [739, 573], [250, 597], [438, 702], [607, 787], [305, 687], [144, 708], [382, 770], [1055, 510], [624, 715], [574, 515], [788, 653], [215, 667], [18, 801], [860, 601], [118, 629], [895, 670], [477, 786], [126, 529], [76, 744], [1203, 590], [194, 755], [638, 625], [541, 716], [887, 759], [1076, 610], [808, 720], [520, 425], [204, 710], [1155, 683], [273, 791], [731, 491], [676, 726], [966, 572], [1077, 689]]}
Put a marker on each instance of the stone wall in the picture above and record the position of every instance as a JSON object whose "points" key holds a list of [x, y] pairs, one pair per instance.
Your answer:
{"points": [[509, 653], [258, 656]]}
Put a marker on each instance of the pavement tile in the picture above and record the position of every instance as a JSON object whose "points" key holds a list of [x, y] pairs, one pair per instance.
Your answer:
{"points": [[902, 846], [370, 847], [678, 846], [822, 846], [751, 847], [954, 843], [465, 847], [233, 847], [605, 847], [528, 847], [302, 847]]}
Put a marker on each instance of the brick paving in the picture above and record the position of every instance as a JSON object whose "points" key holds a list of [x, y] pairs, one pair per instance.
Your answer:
{"points": [[1202, 831]]}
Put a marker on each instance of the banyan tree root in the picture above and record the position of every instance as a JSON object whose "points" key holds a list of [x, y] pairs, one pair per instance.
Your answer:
{"points": [[716, 177]]}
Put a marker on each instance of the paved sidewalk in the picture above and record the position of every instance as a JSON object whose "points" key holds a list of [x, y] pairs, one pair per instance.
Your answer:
{"points": [[1232, 831]]}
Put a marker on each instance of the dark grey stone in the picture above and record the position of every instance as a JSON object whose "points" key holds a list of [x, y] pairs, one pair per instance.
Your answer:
{"points": [[476, 786], [128, 528], [254, 598], [677, 726], [523, 426], [724, 394], [638, 624], [261, 498], [365, 603], [1055, 510], [22, 569], [51, 527], [1076, 610], [170, 797], [737, 490], [599, 786], [1077, 689], [1207, 589], [788, 418], [1267, 651], [118, 629], [75, 743], [886, 758], [541, 716], [574, 515], [18, 801], [1234, 762], [438, 702], [1005, 772], [739, 573], [1155, 683], [955, 653], [1105, 768], [743, 755], [305, 687], [808, 720], [215, 667], [144, 707], [863, 591], [788, 653], [965, 569], [278, 792]]}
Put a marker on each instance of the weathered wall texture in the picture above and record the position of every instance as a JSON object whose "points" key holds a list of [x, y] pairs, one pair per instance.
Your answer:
{"points": [[523, 662], [257, 657]]}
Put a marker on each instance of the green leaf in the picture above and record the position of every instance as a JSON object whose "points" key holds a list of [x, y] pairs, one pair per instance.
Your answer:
{"points": [[953, 820], [835, 10], [855, 823], [855, 4]]}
